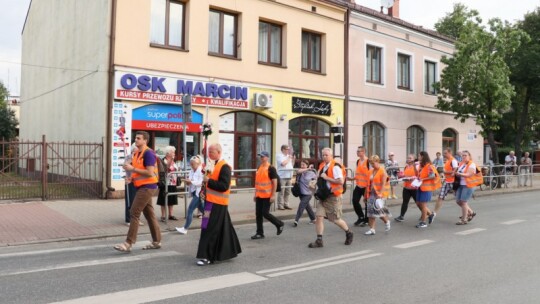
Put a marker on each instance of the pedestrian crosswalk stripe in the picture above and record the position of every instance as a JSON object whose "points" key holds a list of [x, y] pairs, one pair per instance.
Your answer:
{"points": [[512, 222], [470, 231], [314, 262], [362, 257], [169, 291], [413, 244], [124, 258], [49, 251]]}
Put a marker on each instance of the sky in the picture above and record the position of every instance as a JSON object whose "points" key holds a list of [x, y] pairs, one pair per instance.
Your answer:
{"points": [[419, 12]]}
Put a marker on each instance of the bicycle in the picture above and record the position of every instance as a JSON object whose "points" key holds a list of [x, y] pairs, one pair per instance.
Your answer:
{"points": [[491, 179]]}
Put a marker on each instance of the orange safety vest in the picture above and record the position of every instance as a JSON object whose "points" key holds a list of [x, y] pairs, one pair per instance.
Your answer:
{"points": [[449, 177], [381, 186], [263, 183], [475, 179], [429, 184], [213, 196], [138, 163], [408, 172], [362, 174], [337, 189]]}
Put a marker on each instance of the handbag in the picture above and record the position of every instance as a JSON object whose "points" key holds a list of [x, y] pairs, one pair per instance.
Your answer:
{"points": [[296, 187], [379, 203]]}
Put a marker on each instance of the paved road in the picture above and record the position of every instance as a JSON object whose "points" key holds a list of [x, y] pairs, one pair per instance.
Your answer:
{"points": [[494, 259]]}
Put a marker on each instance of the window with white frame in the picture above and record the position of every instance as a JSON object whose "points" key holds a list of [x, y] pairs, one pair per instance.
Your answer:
{"points": [[270, 43], [415, 140], [404, 71], [167, 26], [222, 36], [373, 64], [430, 75]]}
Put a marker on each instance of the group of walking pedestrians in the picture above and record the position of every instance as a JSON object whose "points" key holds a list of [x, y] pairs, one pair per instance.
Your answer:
{"points": [[210, 192]]}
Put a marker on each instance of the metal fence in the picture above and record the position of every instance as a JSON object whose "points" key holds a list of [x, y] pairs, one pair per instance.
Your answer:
{"points": [[50, 170]]}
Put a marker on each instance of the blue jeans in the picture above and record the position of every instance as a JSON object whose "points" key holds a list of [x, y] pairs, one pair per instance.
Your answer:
{"points": [[195, 203]]}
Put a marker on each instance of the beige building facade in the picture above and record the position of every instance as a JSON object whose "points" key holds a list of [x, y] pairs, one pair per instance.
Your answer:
{"points": [[263, 73]]}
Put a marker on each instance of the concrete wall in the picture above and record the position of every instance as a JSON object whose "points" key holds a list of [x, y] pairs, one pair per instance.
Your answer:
{"points": [[66, 99], [133, 47]]}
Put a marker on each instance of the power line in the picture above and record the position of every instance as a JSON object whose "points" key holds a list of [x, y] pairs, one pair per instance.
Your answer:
{"points": [[44, 66], [58, 88]]}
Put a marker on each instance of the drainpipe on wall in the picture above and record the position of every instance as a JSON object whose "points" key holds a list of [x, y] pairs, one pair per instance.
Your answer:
{"points": [[110, 99], [346, 89]]}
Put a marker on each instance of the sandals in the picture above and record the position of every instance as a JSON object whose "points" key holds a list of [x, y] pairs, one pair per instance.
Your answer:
{"points": [[471, 216], [173, 218], [124, 247], [162, 219], [462, 222], [153, 245]]}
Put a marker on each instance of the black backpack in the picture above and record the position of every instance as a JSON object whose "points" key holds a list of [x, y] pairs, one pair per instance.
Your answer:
{"points": [[162, 172], [278, 187], [323, 192]]}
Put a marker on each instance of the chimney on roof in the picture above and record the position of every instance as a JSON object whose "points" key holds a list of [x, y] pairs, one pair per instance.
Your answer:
{"points": [[393, 11]]}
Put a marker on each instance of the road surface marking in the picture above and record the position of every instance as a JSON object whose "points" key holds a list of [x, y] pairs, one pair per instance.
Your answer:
{"points": [[169, 291], [470, 231], [38, 252], [367, 256], [123, 259], [512, 222], [314, 262], [413, 244]]}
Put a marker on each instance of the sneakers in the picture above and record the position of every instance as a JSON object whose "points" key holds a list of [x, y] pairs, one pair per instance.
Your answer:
{"points": [[387, 226], [431, 217], [317, 244], [421, 225], [295, 224], [348, 237], [257, 237], [399, 219], [370, 232], [363, 224], [312, 222], [359, 222], [181, 230]]}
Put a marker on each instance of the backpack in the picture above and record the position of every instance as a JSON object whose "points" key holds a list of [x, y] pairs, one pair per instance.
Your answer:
{"points": [[323, 192], [296, 187], [278, 187], [162, 172]]}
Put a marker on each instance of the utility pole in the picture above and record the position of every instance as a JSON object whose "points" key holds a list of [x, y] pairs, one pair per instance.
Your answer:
{"points": [[186, 112]]}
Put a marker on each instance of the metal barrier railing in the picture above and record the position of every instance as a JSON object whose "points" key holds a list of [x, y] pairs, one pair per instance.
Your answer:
{"points": [[495, 176]]}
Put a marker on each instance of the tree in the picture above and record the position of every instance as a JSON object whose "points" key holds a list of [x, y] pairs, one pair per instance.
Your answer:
{"points": [[453, 23], [475, 82], [8, 122], [525, 76]]}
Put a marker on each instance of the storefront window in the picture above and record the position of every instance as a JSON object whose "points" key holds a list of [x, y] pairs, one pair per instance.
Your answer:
{"points": [[308, 137], [252, 134]]}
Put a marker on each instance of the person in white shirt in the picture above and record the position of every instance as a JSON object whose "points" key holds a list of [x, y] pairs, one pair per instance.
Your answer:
{"points": [[194, 181], [510, 162], [285, 171]]}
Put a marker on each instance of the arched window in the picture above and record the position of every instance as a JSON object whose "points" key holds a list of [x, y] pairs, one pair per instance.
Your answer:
{"points": [[415, 140], [374, 139], [243, 135], [307, 137], [449, 140]]}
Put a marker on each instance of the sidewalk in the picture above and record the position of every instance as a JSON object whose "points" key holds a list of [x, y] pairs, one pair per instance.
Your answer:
{"points": [[50, 221]]}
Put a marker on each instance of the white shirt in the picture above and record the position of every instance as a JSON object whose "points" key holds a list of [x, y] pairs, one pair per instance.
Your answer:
{"points": [[461, 169], [196, 178], [510, 160], [284, 171]]}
